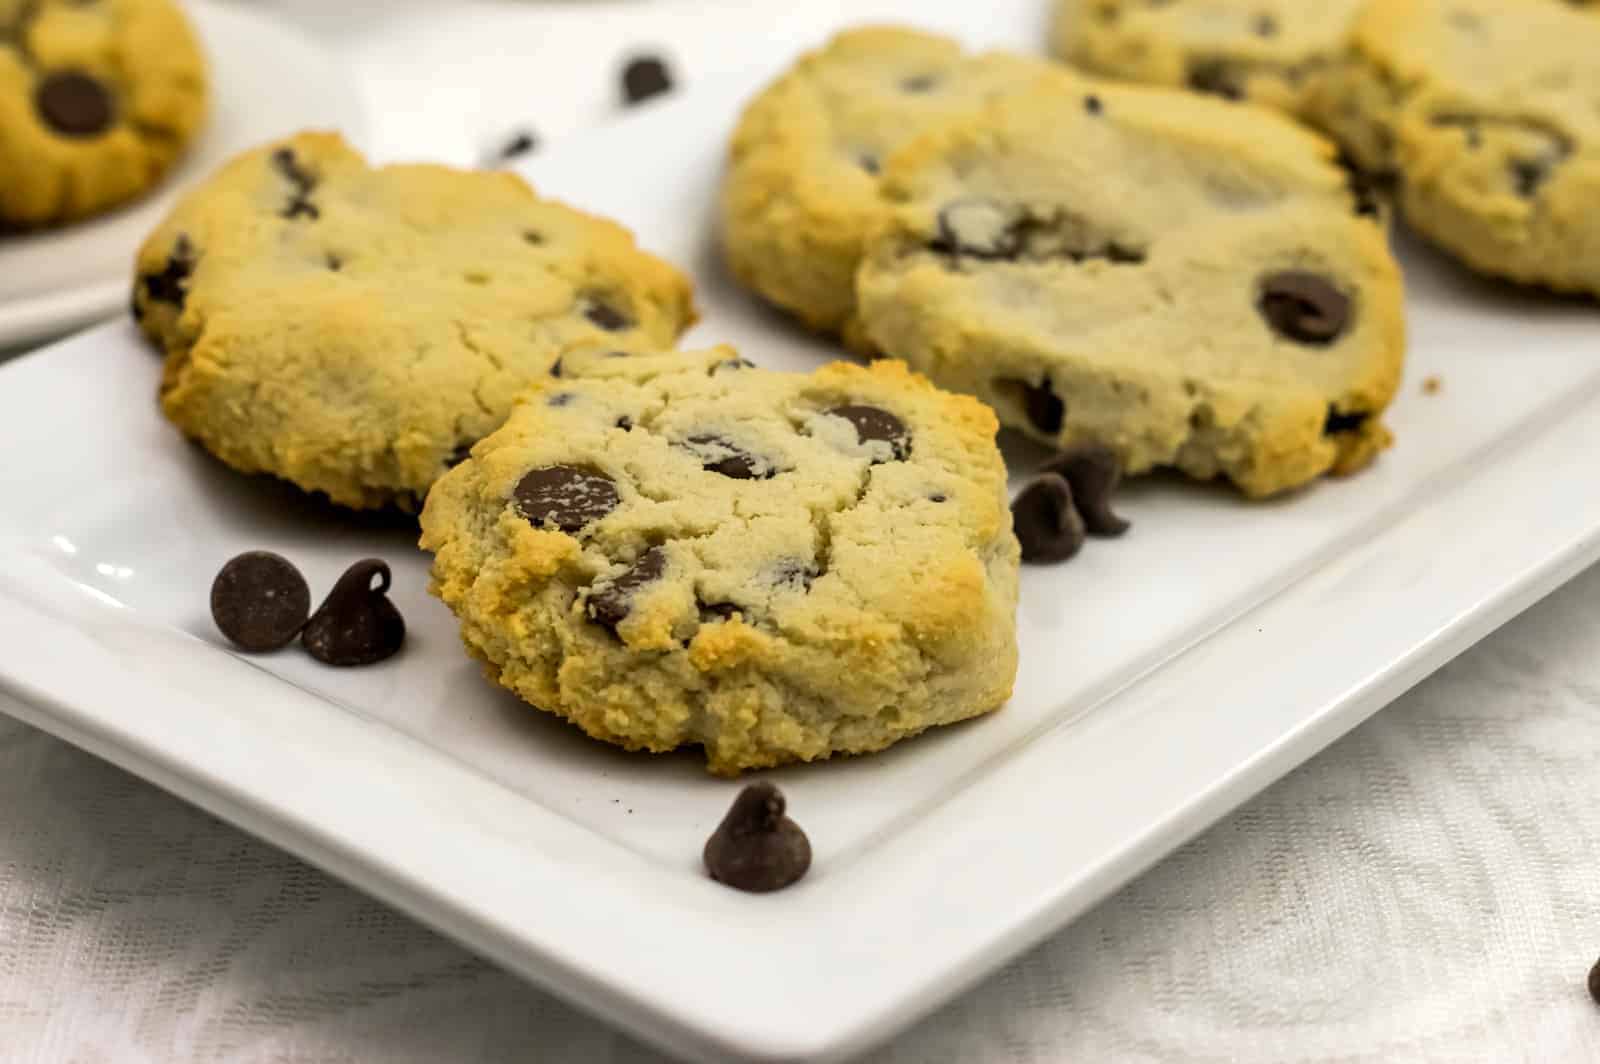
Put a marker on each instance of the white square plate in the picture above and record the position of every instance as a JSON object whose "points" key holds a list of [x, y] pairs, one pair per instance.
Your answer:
{"points": [[1165, 677]]}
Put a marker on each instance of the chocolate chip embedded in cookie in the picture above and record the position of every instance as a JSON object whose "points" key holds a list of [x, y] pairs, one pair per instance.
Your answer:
{"points": [[801, 191], [97, 100], [356, 330], [1238, 317], [775, 567]]}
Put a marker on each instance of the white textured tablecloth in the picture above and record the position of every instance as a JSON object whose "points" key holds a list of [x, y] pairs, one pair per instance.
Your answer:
{"points": [[1425, 890]]}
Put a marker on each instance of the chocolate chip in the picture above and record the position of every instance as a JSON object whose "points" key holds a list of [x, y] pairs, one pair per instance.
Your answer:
{"points": [[980, 228], [1363, 188], [356, 624], [171, 285], [74, 104], [1594, 983], [605, 316], [720, 455], [610, 604], [533, 237], [1092, 104], [625, 423], [260, 601], [919, 83], [757, 848], [288, 165], [460, 453], [874, 425], [568, 497], [1046, 522], [938, 496], [1338, 422], [1093, 472], [1266, 26], [718, 611], [1527, 175], [1044, 408], [555, 368], [643, 77], [870, 164], [1304, 307], [334, 263], [1214, 76]]}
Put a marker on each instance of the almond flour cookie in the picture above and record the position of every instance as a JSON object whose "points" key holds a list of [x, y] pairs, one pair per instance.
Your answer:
{"points": [[354, 330], [1190, 282], [97, 99], [685, 549], [1490, 113], [801, 190], [1272, 52]]}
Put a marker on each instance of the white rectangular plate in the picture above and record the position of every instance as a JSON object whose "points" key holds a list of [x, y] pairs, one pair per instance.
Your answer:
{"points": [[1165, 677]]}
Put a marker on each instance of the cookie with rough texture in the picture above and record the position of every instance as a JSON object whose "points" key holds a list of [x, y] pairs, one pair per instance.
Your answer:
{"points": [[1272, 52], [1489, 112], [354, 330], [687, 550], [97, 100], [1190, 282], [801, 190]]}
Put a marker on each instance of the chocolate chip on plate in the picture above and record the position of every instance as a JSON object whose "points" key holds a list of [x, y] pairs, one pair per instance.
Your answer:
{"points": [[608, 605], [757, 848], [876, 425], [568, 497], [74, 104], [260, 601], [356, 624], [1594, 982], [1303, 306], [1093, 472], [1046, 522], [645, 76]]}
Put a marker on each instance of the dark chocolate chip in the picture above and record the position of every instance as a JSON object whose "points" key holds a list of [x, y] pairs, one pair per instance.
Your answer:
{"points": [[1527, 175], [625, 423], [757, 848], [870, 164], [533, 237], [568, 497], [1093, 472], [555, 368], [171, 285], [287, 164], [1046, 522], [1304, 307], [335, 263], [608, 605], [460, 453], [1338, 422], [356, 624], [1266, 26], [873, 425], [720, 455], [605, 316], [1044, 408], [74, 104], [260, 601], [1092, 104], [1594, 983], [980, 228], [643, 77], [1214, 76], [718, 611], [920, 83], [938, 496]]}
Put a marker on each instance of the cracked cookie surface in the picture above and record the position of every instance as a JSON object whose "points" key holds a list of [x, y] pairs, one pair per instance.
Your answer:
{"points": [[684, 549], [1489, 112], [1272, 52], [354, 330], [1190, 282], [801, 190], [97, 99]]}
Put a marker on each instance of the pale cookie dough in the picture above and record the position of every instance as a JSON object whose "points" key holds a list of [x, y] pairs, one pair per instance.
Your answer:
{"points": [[355, 330], [1190, 282], [97, 99], [687, 550]]}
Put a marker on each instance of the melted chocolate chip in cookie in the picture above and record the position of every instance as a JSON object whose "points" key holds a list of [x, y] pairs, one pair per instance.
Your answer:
{"points": [[608, 605], [567, 497], [757, 848], [74, 104], [303, 181], [605, 316], [1215, 76], [171, 285], [1339, 422], [1045, 409], [875, 425], [1304, 307], [718, 454]]}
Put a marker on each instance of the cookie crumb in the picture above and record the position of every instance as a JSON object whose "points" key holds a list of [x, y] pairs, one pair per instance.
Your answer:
{"points": [[1432, 385]]}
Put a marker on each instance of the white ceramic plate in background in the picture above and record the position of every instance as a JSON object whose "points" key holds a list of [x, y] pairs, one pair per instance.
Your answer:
{"points": [[1165, 677], [267, 80]]}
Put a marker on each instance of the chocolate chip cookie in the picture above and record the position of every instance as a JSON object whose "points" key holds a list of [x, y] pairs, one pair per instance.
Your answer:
{"points": [[801, 189], [97, 99], [1272, 52], [1187, 281], [1490, 114], [687, 550], [355, 330]]}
